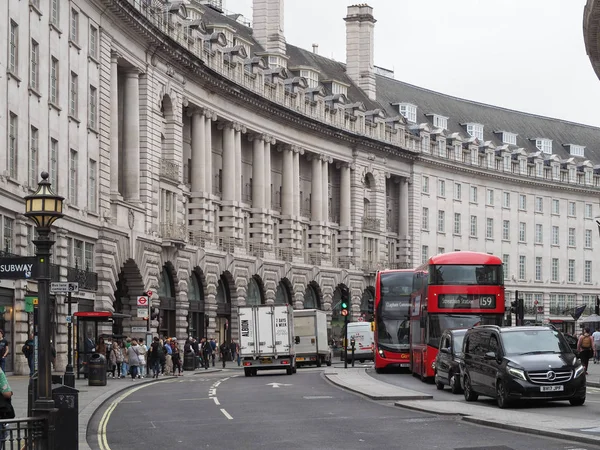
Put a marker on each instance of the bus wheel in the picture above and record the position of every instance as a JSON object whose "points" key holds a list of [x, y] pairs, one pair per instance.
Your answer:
{"points": [[379, 370]]}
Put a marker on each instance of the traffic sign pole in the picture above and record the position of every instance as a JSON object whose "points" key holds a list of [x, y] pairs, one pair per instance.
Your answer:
{"points": [[69, 377]]}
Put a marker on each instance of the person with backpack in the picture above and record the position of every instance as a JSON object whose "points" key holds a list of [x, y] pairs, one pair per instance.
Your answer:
{"points": [[157, 354], [585, 347], [28, 353]]}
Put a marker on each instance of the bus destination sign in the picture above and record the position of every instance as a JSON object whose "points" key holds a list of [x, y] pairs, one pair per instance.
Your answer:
{"points": [[466, 301]]}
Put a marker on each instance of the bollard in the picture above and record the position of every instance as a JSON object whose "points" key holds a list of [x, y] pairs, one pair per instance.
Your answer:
{"points": [[66, 421], [352, 344]]}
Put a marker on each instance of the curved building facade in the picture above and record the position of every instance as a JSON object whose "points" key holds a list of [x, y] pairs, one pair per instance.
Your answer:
{"points": [[217, 165]]}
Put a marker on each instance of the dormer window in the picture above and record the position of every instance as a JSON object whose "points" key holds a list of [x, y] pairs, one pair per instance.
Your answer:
{"points": [[545, 145], [244, 44], [576, 150], [276, 61], [228, 35], [312, 77], [440, 122], [475, 130], [409, 111], [339, 88], [509, 138]]}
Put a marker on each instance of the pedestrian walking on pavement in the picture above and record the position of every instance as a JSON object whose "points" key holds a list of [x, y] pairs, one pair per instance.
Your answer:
{"points": [[125, 360], [596, 338], [176, 358], [115, 358], [28, 353], [224, 352], [234, 350], [3, 351], [133, 353], [143, 358], [206, 353], [585, 347], [163, 357], [213, 354], [156, 355], [7, 394]]}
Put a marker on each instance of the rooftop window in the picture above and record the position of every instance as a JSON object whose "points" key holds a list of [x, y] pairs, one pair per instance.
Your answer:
{"points": [[409, 111], [277, 61], [576, 150], [509, 138], [338, 88], [475, 130], [545, 145], [312, 77], [440, 122]]}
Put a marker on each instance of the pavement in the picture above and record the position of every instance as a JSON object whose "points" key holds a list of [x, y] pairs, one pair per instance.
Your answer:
{"points": [[272, 411], [91, 398], [593, 378]]}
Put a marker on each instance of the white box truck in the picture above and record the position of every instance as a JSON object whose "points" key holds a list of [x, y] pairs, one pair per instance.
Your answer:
{"points": [[310, 329], [364, 341], [267, 338]]}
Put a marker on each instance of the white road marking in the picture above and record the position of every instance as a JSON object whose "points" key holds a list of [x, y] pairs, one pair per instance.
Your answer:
{"points": [[277, 385], [193, 399], [226, 414], [217, 384], [216, 401], [132, 401], [316, 397]]}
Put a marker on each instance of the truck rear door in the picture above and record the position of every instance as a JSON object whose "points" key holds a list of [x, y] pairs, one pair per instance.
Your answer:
{"points": [[283, 333], [265, 330], [247, 331], [304, 329]]}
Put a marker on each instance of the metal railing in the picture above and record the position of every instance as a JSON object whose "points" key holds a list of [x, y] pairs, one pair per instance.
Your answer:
{"points": [[228, 244], [344, 262], [22, 433], [86, 279], [371, 224], [169, 169], [173, 231], [258, 249], [284, 254]]}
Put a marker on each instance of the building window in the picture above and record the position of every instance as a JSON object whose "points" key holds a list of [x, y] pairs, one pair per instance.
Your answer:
{"points": [[92, 188], [522, 202], [424, 254], [93, 42], [571, 237], [475, 130], [522, 273], [555, 235], [441, 143], [490, 197], [538, 268], [93, 112], [545, 145], [539, 169], [55, 12], [473, 194], [572, 209], [539, 233], [457, 221], [554, 269], [506, 230], [441, 221], [555, 206], [74, 26], [338, 88], [555, 171], [507, 163], [89, 257], [506, 199], [440, 122], [473, 226], [73, 95], [505, 266], [34, 72], [409, 112], [576, 150], [33, 157], [73, 163], [539, 205], [571, 274], [588, 210], [312, 77], [425, 187], [588, 238], [457, 191], [509, 138], [54, 81], [426, 143], [522, 231], [489, 228], [53, 165], [441, 250], [442, 188], [13, 132], [13, 59], [8, 244], [587, 273], [425, 221]]}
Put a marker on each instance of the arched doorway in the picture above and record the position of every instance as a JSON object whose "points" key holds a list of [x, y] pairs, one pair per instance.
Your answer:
{"points": [[166, 294], [283, 295], [368, 294], [311, 298], [129, 285], [254, 295], [223, 330], [196, 318]]}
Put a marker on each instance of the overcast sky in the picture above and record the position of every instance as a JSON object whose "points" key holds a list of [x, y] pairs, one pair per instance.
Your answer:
{"points": [[527, 55]]}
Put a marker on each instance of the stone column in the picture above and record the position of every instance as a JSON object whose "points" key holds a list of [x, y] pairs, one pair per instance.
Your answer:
{"points": [[114, 125], [229, 173], [258, 167], [268, 141], [208, 173], [131, 137], [325, 192], [198, 152], [316, 205], [287, 185], [297, 152], [404, 213], [345, 203], [239, 129]]}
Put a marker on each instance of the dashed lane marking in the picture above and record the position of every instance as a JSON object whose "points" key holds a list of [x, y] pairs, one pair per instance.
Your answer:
{"points": [[226, 414], [193, 399], [216, 401]]}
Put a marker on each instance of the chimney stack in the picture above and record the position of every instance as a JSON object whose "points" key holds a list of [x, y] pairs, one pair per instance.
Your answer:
{"points": [[360, 47], [267, 18], [316, 49]]}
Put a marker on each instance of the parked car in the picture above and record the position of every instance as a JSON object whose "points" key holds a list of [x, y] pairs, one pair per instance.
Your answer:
{"points": [[513, 363], [447, 368]]}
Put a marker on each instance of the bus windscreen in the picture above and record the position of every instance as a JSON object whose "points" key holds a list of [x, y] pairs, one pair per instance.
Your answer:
{"points": [[466, 275], [393, 310]]}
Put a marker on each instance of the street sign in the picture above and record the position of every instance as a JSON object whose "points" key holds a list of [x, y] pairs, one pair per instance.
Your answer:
{"points": [[540, 310], [138, 329], [68, 319], [142, 312], [63, 287], [18, 268], [142, 300], [361, 319]]}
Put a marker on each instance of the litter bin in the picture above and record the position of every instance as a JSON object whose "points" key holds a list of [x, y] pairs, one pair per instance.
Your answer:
{"points": [[189, 361], [97, 370], [66, 434]]}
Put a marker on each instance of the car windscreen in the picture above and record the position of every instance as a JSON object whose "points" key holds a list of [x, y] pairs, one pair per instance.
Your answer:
{"points": [[520, 342]]}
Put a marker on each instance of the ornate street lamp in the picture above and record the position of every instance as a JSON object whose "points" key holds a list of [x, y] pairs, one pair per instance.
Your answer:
{"points": [[44, 208]]}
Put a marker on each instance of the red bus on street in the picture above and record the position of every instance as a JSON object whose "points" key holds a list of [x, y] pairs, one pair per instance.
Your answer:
{"points": [[393, 289], [452, 290]]}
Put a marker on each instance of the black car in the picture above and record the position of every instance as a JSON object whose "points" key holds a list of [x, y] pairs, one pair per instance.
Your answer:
{"points": [[447, 368], [513, 363]]}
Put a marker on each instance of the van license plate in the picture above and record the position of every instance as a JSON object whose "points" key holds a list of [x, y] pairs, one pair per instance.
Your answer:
{"points": [[299, 359], [266, 361], [556, 388], [404, 365]]}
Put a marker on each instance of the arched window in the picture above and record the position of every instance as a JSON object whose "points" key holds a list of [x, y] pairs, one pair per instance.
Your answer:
{"points": [[282, 296], [254, 296], [165, 285], [195, 294], [221, 295], [311, 301]]}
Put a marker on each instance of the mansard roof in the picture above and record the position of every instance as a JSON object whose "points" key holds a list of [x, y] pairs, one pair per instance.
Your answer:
{"points": [[460, 111]]}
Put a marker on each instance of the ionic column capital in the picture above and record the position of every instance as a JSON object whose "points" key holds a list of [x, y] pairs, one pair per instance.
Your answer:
{"points": [[237, 126], [115, 55], [298, 149], [345, 165], [326, 158], [269, 139]]}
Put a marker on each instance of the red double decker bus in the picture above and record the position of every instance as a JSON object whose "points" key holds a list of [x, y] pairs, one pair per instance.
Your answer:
{"points": [[452, 290], [392, 318]]}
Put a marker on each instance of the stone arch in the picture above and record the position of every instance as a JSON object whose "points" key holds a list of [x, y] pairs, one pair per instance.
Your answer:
{"points": [[284, 293], [168, 288], [313, 296], [129, 285], [197, 292], [368, 293], [369, 181], [255, 291], [369, 198], [226, 293]]}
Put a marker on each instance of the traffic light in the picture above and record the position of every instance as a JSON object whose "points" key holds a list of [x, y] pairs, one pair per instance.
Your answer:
{"points": [[520, 311], [371, 305], [345, 303], [514, 306]]}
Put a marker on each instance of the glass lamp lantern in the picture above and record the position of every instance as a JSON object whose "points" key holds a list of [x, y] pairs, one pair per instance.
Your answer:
{"points": [[44, 206]]}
